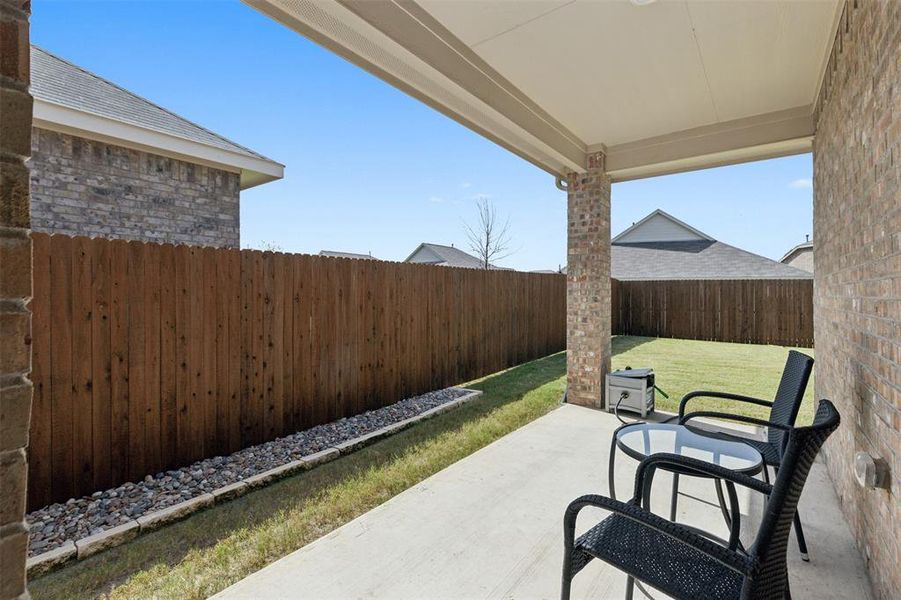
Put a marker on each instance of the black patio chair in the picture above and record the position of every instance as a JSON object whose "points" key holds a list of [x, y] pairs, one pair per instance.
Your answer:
{"points": [[685, 562], [783, 411]]}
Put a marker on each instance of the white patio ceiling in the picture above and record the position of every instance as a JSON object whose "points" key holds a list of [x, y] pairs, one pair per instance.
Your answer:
{"points": [[660, 87]]}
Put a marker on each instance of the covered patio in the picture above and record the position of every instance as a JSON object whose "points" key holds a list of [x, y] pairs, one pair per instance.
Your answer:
{"points": [[490, 526], [600, 92], [593, 93]]}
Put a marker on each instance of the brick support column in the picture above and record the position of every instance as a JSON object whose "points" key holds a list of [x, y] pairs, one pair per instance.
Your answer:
{"points": [[15, 292], [588, 284]]}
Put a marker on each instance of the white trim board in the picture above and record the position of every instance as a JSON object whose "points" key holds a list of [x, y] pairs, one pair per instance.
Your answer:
{"points": [[63, 119]]}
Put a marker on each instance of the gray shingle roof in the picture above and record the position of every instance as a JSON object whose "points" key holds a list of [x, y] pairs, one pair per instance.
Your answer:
{"points": [[339, 254], [454, 257], [702, 259], [60, 82], [449, 256]]}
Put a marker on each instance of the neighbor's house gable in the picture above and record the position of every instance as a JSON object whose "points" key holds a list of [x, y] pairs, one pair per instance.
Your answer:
{"points": [[660, 226], [800, 257], [424, 254]]}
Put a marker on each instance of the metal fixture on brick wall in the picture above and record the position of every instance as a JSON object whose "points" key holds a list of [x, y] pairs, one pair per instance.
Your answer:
{"points": [[871, 473]]}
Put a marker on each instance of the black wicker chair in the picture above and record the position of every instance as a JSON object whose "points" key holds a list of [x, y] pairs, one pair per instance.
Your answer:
{"points": [[783, 411], [685, 562]]}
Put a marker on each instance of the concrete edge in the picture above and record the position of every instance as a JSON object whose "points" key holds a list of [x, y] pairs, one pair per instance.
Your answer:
{"points": [[51, 560], [46, 562], [107, 538], [177, 512]]}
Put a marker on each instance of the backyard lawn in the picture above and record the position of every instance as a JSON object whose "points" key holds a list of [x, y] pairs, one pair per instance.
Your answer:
{"points": [[682, 366], [215, 548]]}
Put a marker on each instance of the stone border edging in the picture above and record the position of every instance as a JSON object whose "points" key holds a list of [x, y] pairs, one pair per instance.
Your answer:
{"points": [[109, 538]]}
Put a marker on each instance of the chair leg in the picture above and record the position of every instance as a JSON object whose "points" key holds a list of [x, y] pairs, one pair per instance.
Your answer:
{"points": [[675, 499], [630, 587], [566, 590], [610, 469], [567, 583], [799, 532]]}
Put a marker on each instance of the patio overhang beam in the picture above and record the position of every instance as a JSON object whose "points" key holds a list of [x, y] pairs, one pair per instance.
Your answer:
{"points": [[777, 134], [403, 43]]}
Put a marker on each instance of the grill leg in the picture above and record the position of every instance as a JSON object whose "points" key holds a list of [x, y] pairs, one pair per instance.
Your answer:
{"points": [[630, 587]]}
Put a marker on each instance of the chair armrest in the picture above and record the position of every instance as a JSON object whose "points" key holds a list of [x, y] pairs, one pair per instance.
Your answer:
{"points": [[732, 417], [723, 395], [645, 472], [725, 556]]}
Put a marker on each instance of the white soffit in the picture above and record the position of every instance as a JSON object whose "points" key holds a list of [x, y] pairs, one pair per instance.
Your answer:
{"points": [[554, 79]]}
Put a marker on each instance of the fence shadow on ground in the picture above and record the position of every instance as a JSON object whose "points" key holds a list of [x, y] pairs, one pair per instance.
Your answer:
{"points": [[98, 575], [623, 343]]}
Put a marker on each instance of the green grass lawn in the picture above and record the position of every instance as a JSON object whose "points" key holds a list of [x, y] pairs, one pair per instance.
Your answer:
{"points": [[682, 366], [215, 548]]}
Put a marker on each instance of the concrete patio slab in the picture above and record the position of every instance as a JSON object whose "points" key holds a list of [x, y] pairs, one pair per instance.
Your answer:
{"points": [[490, 526]]}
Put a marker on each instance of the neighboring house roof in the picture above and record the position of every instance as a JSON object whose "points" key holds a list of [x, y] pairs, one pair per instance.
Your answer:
{"points": [[695, 256], [446, 256], [75, 101], [339, 254], [803, 247], [699, 259]]}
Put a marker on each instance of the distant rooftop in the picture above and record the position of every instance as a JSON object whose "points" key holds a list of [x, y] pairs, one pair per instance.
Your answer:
{"points": [[808, 245], [446, 256], [73, 100], [339, 254]]}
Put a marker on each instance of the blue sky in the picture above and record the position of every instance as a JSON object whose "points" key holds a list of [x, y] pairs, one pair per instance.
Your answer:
{"points": [[369, 169]]}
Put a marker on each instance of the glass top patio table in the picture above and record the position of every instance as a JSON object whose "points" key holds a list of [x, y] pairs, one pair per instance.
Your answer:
{"points": [[640, 440]]}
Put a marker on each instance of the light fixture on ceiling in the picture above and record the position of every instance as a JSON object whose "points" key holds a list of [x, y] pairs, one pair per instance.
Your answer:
{"points": [[642, 2]]}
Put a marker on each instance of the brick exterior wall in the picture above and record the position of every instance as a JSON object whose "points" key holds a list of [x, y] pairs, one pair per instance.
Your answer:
{"points": [[15, 293], [857, 281], [588, 313], [85, 187]]}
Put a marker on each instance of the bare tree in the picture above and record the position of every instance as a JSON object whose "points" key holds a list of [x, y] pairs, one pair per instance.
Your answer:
{"points": [[489, 239], [267, 246]]}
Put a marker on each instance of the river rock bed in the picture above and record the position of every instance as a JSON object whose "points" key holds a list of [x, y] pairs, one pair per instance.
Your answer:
{"points": [[53, 525]]}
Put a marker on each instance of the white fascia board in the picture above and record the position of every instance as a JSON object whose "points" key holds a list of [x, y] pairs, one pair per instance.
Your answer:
{"points": [[64, 119]]}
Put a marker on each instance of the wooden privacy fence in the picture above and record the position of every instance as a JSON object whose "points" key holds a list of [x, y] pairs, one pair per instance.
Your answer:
{"points": [[756, 311], [149, 356]]}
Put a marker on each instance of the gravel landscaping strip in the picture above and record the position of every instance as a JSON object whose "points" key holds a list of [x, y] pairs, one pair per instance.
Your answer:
{"points": [[58, 524]]}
